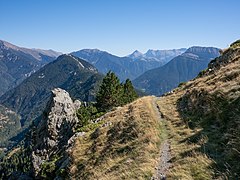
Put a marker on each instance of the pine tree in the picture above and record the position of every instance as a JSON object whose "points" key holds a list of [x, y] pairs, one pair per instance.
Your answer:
{"points": [[129, 93], [110, 92]]}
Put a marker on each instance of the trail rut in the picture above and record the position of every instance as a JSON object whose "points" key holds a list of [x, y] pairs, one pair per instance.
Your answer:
{"points": [[165, 155]]}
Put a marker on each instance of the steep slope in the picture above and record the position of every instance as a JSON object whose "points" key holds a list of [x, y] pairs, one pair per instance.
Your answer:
{"points": [[68, 72], [9, 125], [17, 63], [180, 69], [124, 67], [163, 56], [203, 117]]}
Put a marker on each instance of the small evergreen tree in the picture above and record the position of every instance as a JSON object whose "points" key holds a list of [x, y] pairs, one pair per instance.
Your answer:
{"points": [[110, 92], [129, 93], [85, 114]]}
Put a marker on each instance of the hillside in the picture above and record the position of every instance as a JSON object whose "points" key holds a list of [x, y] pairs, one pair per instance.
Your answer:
{"points": [[126, 67], [203, 117], [180, 69], [17, 63], [9, 125], [125, 146], [68, 72]]}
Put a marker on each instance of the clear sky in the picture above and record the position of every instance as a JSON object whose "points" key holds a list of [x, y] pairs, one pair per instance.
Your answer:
{"points": [[119, 26]]}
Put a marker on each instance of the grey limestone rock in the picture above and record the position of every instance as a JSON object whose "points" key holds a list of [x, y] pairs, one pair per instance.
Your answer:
{"points": [[55, 128]]}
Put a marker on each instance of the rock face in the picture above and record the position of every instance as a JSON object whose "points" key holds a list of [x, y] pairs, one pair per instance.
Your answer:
{"points": [[55, 128]]}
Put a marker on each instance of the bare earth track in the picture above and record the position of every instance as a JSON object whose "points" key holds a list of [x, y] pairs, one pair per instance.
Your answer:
{"points": [[165, 155]]}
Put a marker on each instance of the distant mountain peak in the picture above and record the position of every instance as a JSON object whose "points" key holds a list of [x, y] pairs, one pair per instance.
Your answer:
{"points": [[155, 53], [151, 53], [92, 50], [196, 49], [35, 53], [82, 64], [135, 54], [210, 52]]}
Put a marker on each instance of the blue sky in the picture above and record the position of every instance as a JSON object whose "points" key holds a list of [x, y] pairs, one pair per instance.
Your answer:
{"points": [[119, 26]]}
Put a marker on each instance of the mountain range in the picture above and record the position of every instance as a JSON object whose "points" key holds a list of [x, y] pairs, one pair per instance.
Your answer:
{"points": [[192, 132], [163, 56], [180, 69], [17, 63], [29, 93], [130, 66]]}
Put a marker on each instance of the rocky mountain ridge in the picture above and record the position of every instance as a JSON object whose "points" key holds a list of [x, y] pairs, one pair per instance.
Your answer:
{"points": [[17, 63], [163, 56], [127, 67]]}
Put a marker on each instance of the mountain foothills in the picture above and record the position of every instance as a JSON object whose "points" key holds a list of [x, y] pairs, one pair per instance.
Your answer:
{"points": [[192, 132], [29, 98], [17, 63], [127, 67], [180, 69]]}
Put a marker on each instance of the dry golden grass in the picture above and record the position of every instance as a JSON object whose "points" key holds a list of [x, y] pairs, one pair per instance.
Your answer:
{"points": [[127, 149], [187, 161], [225, 79]]}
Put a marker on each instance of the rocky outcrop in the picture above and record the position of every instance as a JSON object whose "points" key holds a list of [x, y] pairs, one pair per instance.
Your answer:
{"points": [[55, 128]]}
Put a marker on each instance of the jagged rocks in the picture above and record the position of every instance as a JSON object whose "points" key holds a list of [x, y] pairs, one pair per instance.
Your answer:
{"points": [[55, 128]]}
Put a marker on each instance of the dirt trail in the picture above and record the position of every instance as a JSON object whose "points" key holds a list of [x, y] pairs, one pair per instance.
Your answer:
{"points": [[165, 155]]}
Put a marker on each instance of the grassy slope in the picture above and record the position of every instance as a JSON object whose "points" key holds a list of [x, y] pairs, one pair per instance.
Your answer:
{"points": [[204, 120], [186, 162], [125, 149]]}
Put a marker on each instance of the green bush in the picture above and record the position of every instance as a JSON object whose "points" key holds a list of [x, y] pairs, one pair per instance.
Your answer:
{"points": [[85, 114]]}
